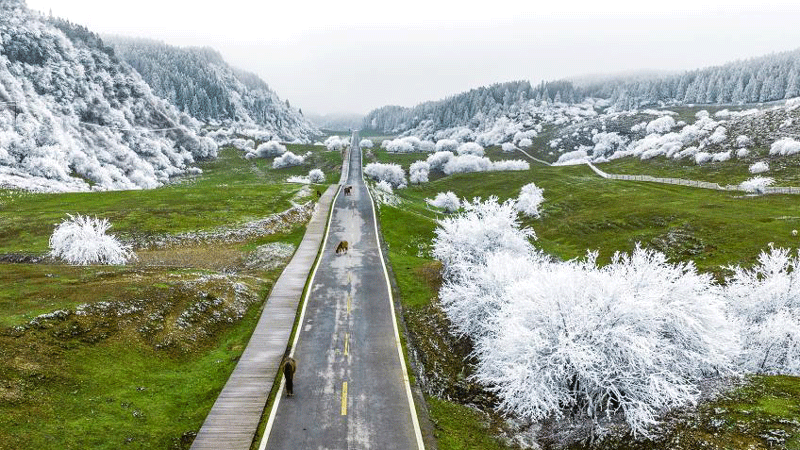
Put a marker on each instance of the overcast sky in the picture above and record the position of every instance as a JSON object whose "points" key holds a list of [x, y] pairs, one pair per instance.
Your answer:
{"points": [[353, 56]]}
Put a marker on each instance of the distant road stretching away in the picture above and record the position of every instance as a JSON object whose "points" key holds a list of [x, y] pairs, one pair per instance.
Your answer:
{"points": [[351, 390]]}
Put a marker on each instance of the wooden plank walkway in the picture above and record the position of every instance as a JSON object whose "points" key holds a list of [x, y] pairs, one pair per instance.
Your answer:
{"points": [[232, 422]]}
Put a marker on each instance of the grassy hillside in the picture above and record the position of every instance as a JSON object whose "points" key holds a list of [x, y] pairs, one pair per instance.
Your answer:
{"points": [[582, 211], [134, 357]]}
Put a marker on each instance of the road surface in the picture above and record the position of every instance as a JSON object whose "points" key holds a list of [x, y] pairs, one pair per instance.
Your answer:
{"points": [[350, 387]]}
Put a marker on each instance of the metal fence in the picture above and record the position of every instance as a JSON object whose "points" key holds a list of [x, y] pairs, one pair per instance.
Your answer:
{"points": [[692, 183]]}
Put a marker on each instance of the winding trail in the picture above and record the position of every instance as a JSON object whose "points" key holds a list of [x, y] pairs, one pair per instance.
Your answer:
{"points": [[351, 387]]}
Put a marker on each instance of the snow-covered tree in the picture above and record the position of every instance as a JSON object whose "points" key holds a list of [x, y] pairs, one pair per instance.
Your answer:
{"points": [[765, 302], [530, 197], [418, 172], [365, 143], [316, 176], [82, 240], [287, 159], [756, 184], [266, 150], [447, 201], [391, 173], [759, 167]]}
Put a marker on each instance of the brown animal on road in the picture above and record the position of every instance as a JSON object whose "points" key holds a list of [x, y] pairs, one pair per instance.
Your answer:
{"points": [[348, 190], [288, 367], [342, 247]]}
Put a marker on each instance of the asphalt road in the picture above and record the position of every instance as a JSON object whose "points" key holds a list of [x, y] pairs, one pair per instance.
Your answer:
{"points": [[350, 390]]}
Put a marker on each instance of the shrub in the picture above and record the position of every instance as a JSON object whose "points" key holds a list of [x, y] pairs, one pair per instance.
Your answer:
{"points": [[82, 240], [418, 172], [287, 159], [316, 176], [391, 173], [447, 201], [530, 197], [266, 150], [765, 302]]}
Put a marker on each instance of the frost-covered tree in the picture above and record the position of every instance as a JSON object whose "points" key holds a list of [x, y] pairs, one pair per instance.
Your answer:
{"points": [[447, 201], [82, 240], [634, 337], [756, 184], [288, 159], [391, 173], [530, 197], [365, 143], [418, 172], [266, 150], [200, 82], [765, 302], [316, 176]]}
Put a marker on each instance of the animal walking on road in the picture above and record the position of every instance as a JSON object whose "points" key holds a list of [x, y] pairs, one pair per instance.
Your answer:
{"points": [[289, 366], [342, 247], [348, 190]]}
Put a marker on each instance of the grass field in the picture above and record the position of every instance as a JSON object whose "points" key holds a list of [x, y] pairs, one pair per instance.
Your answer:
{"points": [[231, 190], [581, 212], [135, 356]]}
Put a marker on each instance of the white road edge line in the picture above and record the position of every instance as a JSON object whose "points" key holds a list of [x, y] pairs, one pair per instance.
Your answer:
{"points": [[414, 419], [274, 410]]}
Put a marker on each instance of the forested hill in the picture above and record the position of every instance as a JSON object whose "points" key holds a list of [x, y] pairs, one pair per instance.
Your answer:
{"points": [[74, 117], [764, 79], [201, 83]]}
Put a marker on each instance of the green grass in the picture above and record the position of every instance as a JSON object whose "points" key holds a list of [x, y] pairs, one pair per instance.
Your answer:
{"points": [[230, 190], [581, 212], [459, 427], [128, 380], [114, 394]]}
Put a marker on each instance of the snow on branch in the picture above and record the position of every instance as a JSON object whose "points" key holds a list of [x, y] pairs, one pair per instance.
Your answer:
{"points": [[82, 240]]}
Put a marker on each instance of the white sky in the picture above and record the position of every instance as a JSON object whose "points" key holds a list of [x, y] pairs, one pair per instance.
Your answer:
{"points": [[354, 55]]}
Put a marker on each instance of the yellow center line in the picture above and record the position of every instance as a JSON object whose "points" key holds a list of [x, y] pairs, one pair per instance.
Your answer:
{"points": [[346, 343], [344, 398], [349, 274], [349, 302]]}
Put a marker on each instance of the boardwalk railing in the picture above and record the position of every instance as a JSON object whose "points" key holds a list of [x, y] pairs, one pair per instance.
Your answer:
{"points": [[693, 183]]}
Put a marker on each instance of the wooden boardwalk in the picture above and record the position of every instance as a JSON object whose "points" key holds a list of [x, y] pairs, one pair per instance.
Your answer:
{"points": [[232, 422]]}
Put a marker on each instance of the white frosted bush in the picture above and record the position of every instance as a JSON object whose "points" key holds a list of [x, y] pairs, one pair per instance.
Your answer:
{"points": [[336, 143], [446, 145], [484, 227], [316, 176], [509, 165], [785, 147], [660, 125], [756, 184], [384, 186], [702, 157], [366, 143], [635, 336], [409, 144], [508, 147], [722, 156], [765, 302], [742, 153], [418, 172], [530, 197], [470, 148], [438, 160], [467, 163], [266, 150], [287, 159], [391, 173], [759, 167], [743, 141], [525, 142], [82, 240], [447, 201]]}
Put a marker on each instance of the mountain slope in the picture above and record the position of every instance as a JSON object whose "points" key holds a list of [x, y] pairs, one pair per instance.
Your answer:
{"points": [[75, 118], [201, 83]]}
